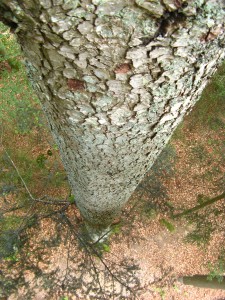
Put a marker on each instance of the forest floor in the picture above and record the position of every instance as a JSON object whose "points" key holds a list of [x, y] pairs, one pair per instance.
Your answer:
{"points": [[42, 250]]}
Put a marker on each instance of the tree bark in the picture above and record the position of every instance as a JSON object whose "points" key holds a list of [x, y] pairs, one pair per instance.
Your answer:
{"points": [[115, 78], [202, 281]]}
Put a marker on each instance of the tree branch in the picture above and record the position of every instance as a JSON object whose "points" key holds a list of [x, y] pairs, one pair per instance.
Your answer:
{"points": [[200, 206]]}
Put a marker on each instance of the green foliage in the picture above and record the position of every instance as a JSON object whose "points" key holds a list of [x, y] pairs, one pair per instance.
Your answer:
{"points": [[10, 222], [199, 153], [13, 196], [8, 53], [179, 133], [209, 111], [18, 107], [217, 270], [41, 160], [150, 210], [46, 168], [98, 249], [9, 176], [202, 231], [11, 228], [105, 247], [28, 116], [56, 178], [176, 288], [202, 198], [9, 237], [167, 224], [161, 292], [71, 199], [204, 217], [13, 257], [116, 229]]}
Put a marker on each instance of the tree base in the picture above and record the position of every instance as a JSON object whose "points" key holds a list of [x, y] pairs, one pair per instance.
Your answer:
{"points": [[94, 235]]}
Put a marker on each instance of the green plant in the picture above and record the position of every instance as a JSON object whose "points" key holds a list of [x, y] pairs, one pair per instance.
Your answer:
{"points": [[209, 110], [8, 54], [217, 270], [71, 199], [100, 248], [116, 229], [179, 133], [41, 160], [176, 288], [149, 209], [105, 247], [199, 153], [9, 235], [202, 232], [202, 198], [9, 244], [14, 257], [161, 292], [168, 225], [19, 109], [150, 213]]}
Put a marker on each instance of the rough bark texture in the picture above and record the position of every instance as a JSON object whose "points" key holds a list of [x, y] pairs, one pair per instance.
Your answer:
{"points": [[115, 78]]}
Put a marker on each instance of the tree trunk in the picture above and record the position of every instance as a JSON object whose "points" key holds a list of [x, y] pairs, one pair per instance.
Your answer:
{"points": [[202, 281], [115, 78]]}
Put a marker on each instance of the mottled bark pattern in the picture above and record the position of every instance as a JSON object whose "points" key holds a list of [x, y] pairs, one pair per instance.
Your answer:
{"points": [[115, 78]]}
